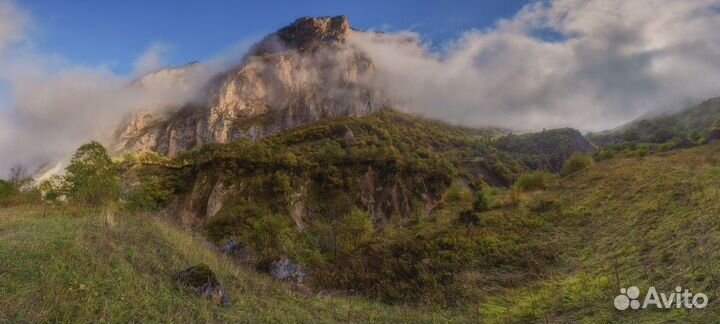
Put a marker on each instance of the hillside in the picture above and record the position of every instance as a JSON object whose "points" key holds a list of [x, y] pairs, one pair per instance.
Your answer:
{"points": [[644, 222], [695, 122], [546, 150], [627, 222], [389, 183], [66, 265]]}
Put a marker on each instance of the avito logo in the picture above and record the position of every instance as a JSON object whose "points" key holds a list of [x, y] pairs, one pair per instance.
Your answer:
{"points": [[680, 298]]}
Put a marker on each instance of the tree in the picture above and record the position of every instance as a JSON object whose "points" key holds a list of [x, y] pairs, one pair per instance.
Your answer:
{"points": [[52, 188], [91, 176], [18, 177]]}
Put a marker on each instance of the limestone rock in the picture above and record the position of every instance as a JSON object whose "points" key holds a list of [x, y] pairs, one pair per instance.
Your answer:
{"points": [[300, 74], [216, 199], [285, 269]]}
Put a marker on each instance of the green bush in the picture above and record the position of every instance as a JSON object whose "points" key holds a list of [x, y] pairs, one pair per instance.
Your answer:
{"points": [[152, 194], [664, 147], [482, 201], [91, 176], [272, 236], [6, 190], [53, 188], [352, 230], [537, 180], [576, 163], [604, 153], [457, 193]]}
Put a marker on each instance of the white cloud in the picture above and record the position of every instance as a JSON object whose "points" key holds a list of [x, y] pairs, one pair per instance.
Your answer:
{"points": [[55, 106], [152, 59], [607, 61], [614, 60], [13, 24]]}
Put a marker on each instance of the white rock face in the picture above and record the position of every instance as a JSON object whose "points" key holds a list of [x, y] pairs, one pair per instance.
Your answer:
{"points": [[300, 74]]}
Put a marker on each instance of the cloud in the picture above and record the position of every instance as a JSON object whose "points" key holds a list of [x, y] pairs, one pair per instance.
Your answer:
{"points": [[13, 24], [590, 64], [152, 59], [54, 105]]}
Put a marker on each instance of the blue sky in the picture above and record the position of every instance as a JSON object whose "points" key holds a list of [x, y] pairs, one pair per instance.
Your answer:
{"points": [[115, 33]]}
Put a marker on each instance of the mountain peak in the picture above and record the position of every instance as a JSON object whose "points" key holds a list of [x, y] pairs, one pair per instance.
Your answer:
{"points": [[306, 34], [300, 74]]}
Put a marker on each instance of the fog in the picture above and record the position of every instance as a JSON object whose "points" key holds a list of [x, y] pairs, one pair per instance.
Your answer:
{"points": [[591, 64], [54, 106]]}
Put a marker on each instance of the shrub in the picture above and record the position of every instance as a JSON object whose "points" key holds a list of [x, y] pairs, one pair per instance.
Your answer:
{"points": [[604, 153], [515, 196], [482, 201], [469, 217], [272, 236], [152, 194], [537, 180], [696, 135], [352, 230], [664, 147], [53, 188], [458, 194], [576, 163], [91, 176], [6, 190]]}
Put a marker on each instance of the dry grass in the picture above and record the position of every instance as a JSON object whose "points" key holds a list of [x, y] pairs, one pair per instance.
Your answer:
{"points": [[78, 266], [652, 221]]}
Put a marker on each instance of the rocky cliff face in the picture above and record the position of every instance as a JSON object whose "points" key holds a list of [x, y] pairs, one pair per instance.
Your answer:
{"points": [[300, 74]]}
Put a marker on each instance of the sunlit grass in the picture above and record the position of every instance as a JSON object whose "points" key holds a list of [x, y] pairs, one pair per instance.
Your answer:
{"points": [[74, 266]]}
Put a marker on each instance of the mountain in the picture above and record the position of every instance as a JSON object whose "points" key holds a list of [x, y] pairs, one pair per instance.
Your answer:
{"points": [[304, 72], [406, 178], [296, 157], [546, 150], [697, 122]]}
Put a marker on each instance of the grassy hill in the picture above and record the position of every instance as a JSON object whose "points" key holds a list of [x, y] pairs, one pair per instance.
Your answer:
{"points": [[628, 222], [79, 266], [632, 221], [649, 221], [370, 205], [695, 122]]}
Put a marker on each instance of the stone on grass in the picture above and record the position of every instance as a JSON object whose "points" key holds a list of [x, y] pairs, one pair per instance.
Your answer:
{"points": [[239, 252], [204, 283], [284, 269]]}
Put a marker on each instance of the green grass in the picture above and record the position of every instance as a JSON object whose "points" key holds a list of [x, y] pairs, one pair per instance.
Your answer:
{"points": [[651, 221], [73, 266]]}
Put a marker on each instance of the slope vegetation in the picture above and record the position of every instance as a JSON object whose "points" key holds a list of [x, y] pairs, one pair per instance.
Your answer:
{"points": [[627, 222], [369, 204], [80, 266], [695, 122], [559, 255]]}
